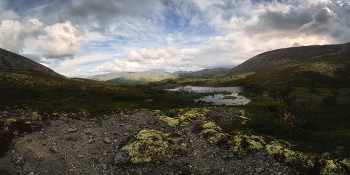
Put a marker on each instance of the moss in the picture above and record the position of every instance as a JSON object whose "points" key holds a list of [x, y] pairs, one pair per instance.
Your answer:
{"points": [[171, 122], [7, 123], [211, 132], [150, 145], [37, 115], [332, 168], [242, 117], [325, 68], [241, 143], [191, 115]]}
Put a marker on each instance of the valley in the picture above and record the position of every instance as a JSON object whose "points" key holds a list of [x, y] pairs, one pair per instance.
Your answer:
{"points": [[296, 121]]}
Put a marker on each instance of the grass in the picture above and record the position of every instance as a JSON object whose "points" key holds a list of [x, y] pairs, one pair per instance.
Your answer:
{"points": [[325, 129]]}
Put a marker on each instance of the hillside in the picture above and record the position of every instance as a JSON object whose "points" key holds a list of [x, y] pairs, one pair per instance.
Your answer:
{"points": [[281, 57], [205, 73], [141, 77], [319, 64], [12, 60]]}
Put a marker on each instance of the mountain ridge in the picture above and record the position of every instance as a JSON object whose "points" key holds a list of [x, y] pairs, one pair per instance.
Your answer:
{"points": [[12, 60], [285, 56]]}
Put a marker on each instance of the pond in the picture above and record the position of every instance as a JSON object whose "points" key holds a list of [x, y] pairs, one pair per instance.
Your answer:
{"points": [[231, 96]]}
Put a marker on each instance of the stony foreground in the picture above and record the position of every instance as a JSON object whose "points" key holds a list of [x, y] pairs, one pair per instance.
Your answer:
{"points": [[88, 147]]}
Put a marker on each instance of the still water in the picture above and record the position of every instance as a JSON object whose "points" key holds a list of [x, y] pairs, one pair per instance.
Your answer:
{"points": [[218, 99]]}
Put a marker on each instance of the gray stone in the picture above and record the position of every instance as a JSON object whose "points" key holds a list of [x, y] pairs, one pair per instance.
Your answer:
{"points": [[230, 155], [121, 157], [259, 170], [73, 137], [107, 140], [71, 130], [15, 133], [18, 159], [53, 149], [104, 166]]}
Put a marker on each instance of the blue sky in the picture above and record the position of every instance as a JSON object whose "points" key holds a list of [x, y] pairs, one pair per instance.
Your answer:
{"points": [[80, 38]]}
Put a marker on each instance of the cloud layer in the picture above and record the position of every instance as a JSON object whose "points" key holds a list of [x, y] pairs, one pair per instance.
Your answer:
{"points": [[86, 37]]}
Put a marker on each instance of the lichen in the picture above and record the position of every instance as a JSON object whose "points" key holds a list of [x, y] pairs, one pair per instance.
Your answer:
{"points": [[241, 143], [192, 115], [36, 115], [242, 117], [212, 133], [7, 123], [150, 145], [170, 121], [291, 157], [332, 168]]}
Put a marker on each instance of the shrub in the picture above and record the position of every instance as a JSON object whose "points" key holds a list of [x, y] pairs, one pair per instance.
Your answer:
{"points": [[330, 100]]}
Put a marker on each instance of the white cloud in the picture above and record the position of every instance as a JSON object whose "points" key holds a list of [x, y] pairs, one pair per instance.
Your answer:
{"points": [[13, 33], [62, 40]]}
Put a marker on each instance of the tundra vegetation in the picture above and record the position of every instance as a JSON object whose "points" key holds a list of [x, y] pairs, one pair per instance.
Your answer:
{"points": [[302, 123]]}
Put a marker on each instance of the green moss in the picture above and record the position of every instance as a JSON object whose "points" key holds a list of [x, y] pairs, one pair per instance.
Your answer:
{"points": [[212, 133], [241, 143], [7, 123], [191, 115], [242, 117], [171, 121], [332, 168], [150, 145]]}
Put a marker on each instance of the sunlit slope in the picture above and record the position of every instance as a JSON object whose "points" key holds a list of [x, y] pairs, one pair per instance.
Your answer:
{"points": [[312, 64]]}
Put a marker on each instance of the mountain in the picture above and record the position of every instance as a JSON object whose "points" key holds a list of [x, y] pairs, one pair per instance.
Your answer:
{"points": [[280, 57], [109, 76], [141, 77], [202, 73], [12, 60], [324, 65], [180, 72]]}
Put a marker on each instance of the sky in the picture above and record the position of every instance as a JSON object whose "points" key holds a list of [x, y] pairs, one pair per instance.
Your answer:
{"points": [[80, 38]]}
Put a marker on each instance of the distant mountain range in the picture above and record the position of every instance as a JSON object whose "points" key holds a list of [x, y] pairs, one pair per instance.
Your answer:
{"points": [[147, 76]]}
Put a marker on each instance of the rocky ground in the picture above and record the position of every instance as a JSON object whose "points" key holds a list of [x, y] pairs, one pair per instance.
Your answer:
{"points": [[74, 146]]}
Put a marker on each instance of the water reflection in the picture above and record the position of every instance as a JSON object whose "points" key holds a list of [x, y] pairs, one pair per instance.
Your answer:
{"points": [[219, 99]]}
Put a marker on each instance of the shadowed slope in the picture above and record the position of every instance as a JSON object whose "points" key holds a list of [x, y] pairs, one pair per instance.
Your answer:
{"points": [[12, 60]]}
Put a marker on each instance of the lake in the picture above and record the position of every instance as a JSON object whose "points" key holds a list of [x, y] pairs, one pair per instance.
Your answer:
{"points": [[220, 99]]}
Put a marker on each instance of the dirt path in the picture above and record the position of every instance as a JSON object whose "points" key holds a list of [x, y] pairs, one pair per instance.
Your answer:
{"points": [[88, 147]]}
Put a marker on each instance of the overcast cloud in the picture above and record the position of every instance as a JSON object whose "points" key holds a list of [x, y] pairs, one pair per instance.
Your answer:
{"points": [[86, 37]]}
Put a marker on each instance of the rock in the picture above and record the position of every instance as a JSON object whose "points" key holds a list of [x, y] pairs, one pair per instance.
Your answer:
{"points": [[73, 137], [179, 149], [15, 133], [53, 149], [107, 140], [121, 157], [90, 141], [104, 166], [259, 170], [18, 159], [71, 130], [230, 155], [229, 97], [149, 100]]}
